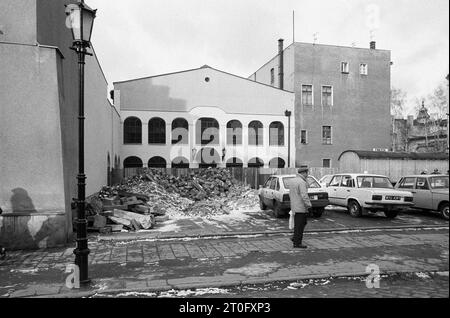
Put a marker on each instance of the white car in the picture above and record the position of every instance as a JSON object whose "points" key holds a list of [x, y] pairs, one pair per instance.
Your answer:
{"points": [[325, 180], [366, 192]]}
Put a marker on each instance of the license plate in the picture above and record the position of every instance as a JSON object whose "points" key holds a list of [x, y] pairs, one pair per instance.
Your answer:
{"points": [[393, 198]]}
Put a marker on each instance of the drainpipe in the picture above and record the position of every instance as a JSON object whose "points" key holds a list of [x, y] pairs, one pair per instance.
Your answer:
{"points": [[281, 56]]}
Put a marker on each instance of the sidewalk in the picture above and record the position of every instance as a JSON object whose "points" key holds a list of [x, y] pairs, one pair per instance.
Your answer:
{"points": [[217, 262]]}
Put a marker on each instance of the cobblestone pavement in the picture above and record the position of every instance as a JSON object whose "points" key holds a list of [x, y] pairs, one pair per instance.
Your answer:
{"points": [[409, 285], [193, 263]]}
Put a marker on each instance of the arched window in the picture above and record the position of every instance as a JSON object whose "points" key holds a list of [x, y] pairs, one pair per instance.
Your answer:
{"points": [[133, 162], [255, 133], [207, 131], [157, 162], [132, 131], [234, 163], [276, 133], [234, 132], [208, 157], [180, 131], [255, 163], [180, 162], [156, 131], [277, 163]]}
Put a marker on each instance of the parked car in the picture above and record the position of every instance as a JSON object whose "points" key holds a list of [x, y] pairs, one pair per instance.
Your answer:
{"points": [[275, 195], [430, 192], [367, 193], [325, 180]]}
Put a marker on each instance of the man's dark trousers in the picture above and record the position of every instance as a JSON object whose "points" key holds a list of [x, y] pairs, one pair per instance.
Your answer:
{"points": [[299, 226]]}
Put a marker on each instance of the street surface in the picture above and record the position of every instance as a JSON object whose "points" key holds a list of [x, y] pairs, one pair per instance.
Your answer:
{"points": [[210, 255]]}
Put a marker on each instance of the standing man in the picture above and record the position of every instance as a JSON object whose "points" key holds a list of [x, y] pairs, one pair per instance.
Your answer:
{"points": [[300, 205]]}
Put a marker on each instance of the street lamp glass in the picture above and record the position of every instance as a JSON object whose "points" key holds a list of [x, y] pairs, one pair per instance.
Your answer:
{"points": [[81, 21]]}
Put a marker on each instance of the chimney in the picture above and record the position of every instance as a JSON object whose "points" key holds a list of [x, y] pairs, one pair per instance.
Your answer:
{"points": [[373, 45], [281, 56]]}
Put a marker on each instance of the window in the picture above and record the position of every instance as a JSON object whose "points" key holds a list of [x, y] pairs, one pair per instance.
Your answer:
{"points": [[374, 182], [304, 137], [288, 182], [234, 132], [277, 185], [180, 131], [336, 181], [363, 69], [272, 77], [307, 95], [273, 183], [422, 184], [156, 131], [157, 162], [132, 131], [255, 163], [133, 162], [326, 135], [345, 68], [407, 183], [326, 163], [255, 133], [439, 182], [276, 134], [327, 96], [347, 182], [267, 184], [207, 131], [312, 183]]}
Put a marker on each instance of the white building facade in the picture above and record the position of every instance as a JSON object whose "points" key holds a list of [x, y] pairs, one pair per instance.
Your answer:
{"points": [[204, 117]]}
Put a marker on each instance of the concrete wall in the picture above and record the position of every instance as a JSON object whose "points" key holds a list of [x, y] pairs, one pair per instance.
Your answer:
{"points": [[14, 11]]}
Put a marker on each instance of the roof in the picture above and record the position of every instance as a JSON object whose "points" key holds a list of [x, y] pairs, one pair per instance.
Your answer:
{"points": [[353, 175], [200, 68], [425, 175], [397, 155]]}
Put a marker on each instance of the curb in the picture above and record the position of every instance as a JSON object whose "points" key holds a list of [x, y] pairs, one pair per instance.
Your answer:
{"points": [[247, 281], [269, 233]]}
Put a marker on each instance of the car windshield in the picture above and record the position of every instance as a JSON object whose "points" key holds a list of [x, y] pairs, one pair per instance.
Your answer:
{"points": [[311, 182], [374, 182], [439, 182]]}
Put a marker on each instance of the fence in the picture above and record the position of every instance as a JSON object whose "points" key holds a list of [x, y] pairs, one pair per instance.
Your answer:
{"points": [[253, 177]]}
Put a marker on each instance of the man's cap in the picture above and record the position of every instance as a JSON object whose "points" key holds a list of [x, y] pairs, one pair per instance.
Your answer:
{"points": [[303, 169]]}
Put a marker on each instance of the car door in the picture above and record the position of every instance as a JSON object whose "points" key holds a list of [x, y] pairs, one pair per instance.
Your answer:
{"points": [[265, 191], [422, 194], [333, 190], [271, 192], [345, 190]]}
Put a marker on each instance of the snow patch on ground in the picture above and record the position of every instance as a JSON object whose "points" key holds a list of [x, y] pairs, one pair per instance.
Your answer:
{"points": [[168, 226], [255, 269], [191, 293]]}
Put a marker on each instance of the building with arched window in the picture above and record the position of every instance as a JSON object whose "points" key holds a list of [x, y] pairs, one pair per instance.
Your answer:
{"points": [[210, 119]]}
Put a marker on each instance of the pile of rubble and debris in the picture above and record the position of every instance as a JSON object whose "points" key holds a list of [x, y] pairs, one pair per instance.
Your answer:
{"points": [[154, 196]]}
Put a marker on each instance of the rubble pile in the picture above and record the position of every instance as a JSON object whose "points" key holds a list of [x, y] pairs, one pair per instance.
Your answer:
{"points": [[154, 196]]}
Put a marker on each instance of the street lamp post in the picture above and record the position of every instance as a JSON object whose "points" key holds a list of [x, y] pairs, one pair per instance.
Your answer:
{"points": [[81, 20], [288, 115]]}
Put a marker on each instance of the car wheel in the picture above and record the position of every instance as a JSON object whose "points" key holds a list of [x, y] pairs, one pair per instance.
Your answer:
{"points": [[444, 210], [262, 206], [390, 214], [317, 213], [277, 210], [354, 208]]}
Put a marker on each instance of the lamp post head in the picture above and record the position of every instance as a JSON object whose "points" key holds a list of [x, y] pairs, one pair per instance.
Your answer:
{"points": [[80, 19], [288, 113]]}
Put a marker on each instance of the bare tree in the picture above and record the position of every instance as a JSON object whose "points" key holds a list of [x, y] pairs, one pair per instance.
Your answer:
{"points": [[398, 101]]}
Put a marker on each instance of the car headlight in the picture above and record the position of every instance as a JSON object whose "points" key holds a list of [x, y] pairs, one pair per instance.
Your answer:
{"points": [[377, 197]]}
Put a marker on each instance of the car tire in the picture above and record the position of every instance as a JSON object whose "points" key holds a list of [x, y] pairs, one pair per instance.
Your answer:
{"points": [[262, 206], [317, 213], [277, 210], [444, 210], [354, 208], [390, 214]]}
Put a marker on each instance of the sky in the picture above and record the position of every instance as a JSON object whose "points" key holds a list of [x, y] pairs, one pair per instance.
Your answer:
{"points": [[139, 38]]}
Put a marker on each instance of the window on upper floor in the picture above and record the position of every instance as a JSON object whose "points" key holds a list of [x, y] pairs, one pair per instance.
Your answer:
{"points": [[272, 76], [132, 131], [327, 96], [276, 134], [345, 67], [303, 137], [326, 163], [307, 95], [363, 69], [156, 131], [326, 135]]}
